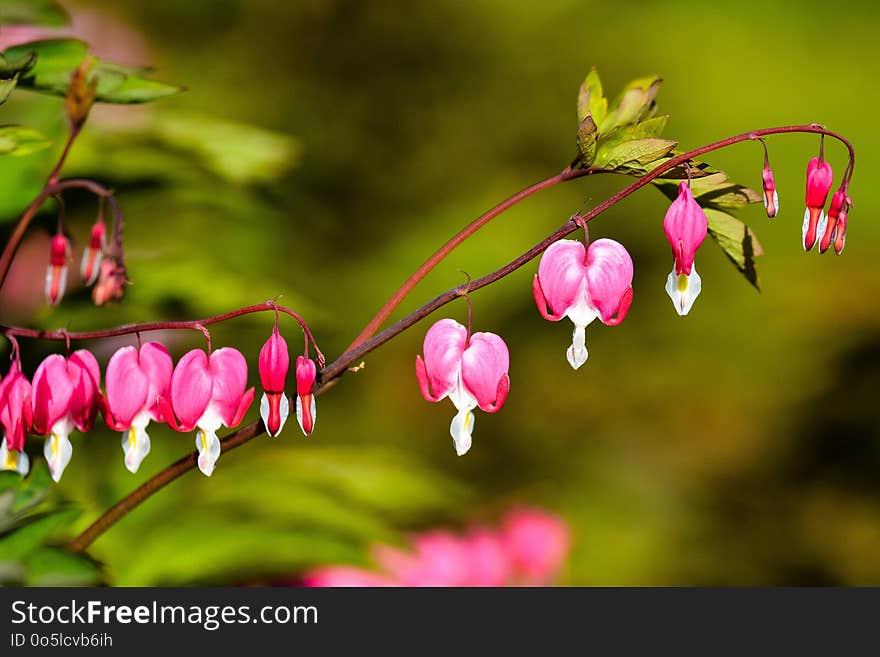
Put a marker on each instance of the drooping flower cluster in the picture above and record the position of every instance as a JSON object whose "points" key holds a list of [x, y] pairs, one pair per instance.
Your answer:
{"points": [[203, 392], [527, 549]]}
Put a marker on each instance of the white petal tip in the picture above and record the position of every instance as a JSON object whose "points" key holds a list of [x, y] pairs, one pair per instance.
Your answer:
{"points": [[209, 451], [577, 353], [135, 446], [461, 429], [683, 290]]}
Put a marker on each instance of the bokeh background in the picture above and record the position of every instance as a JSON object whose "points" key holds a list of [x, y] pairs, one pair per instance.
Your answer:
{"points": [[324, 148]]}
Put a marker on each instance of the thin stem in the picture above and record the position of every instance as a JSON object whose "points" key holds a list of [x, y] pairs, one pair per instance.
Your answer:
{"points": [[331, 373], [385, 311], [71, 137], [31, 211], [128, 329]]}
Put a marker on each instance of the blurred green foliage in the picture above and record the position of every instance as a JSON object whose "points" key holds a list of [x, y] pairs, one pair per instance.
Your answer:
{"points": [[325, 148]]}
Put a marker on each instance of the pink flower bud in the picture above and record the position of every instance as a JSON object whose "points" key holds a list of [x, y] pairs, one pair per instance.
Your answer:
{"points": [[111, 282], [819, 180], [838, 201], [93, 253], [64, 393], [771, 198], [16, 416], [686, 226], [583, 284], [840, 237], [208, 392], [306, 411], [135, 380], [274, 363], [56, 273], [470, 371]]}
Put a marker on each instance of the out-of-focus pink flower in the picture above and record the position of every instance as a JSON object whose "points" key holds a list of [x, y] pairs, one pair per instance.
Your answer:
{"points": [[93, 253], [771, 197], [56, 272], [64, 394], [583, 284], [208, 392], [346, 576], [819, 180], [529, 549], [135, 379], [686, 227], [471, 371], [16, 415], [274, 363], [840, 232], [537, 544], [306, 409]]}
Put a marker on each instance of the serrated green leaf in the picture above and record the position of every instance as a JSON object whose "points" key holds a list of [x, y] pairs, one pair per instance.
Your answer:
{"points": [[634, 103], [19, 140], [51, 566], [57, 58], [649, 128], [33, 531], [591, 99], [586, 142], [53, 55], [738, 241], [635, 151], [46, 13], [714, 190]]}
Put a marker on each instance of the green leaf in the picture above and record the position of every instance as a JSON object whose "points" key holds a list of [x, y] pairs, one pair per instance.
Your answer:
{"points": [[586, 141], [591, 99], [57, 59], [635, 103], [714, 190], [46, 13], [33, 531], [51, 566], [738, 241], [34, 489], [19, 140], [634, 151]]}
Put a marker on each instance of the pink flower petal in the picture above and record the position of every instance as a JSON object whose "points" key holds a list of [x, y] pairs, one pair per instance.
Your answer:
{"points": [[228, 368], [609, 276], [191, 386], [561, 274], [52, 391], [484, 365], [156, 363], [443, 348], [127, 387], [85, 374], [537, 542], [274, 363]]}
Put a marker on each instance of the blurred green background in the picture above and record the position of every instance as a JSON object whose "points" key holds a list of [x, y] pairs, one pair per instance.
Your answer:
{"points": [[325, 148]]}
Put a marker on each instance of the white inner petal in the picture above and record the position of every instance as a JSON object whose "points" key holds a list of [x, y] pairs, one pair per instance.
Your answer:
{"points": [[209, 450], [461, 429], [823, 225], [581, 313], [136, 446], [683, 290], [299, 414], [57, 449], [13, 460], [577, 352]]}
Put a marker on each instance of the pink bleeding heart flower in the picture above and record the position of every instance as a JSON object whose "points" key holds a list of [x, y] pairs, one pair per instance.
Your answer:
{"points": [[56, 273], [537, 543], [584, 284], [207, 393], [471, 371], [686, 227], [771, 197], [306, 409], [274, 363], [16, 416], [64, 394], [135, 379], [819, 180], [93, 253]]}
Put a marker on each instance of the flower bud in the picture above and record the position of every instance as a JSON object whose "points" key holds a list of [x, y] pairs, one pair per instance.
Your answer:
{"points": [[56, 273], [837, 203], [819, 179], [274, 363], [771, 198], [306, 412], [93, 254], [111, 282]]}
